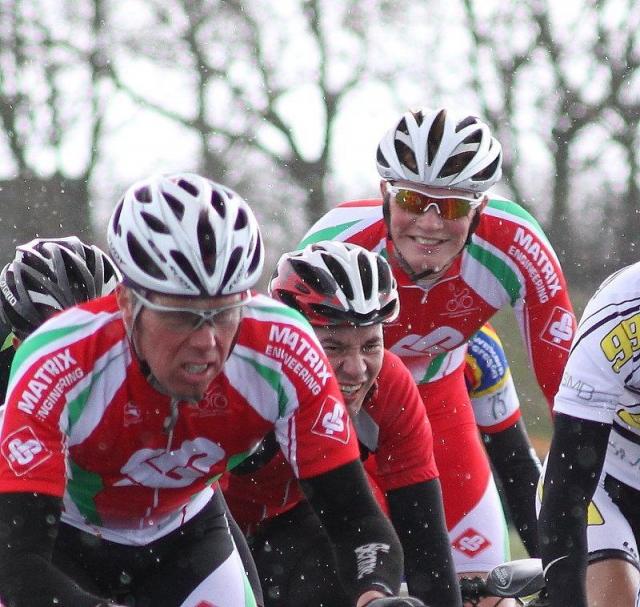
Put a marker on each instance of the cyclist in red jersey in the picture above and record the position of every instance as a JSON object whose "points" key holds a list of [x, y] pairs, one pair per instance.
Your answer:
{"points": [[123, 412], [346, 293], [459, 253]]}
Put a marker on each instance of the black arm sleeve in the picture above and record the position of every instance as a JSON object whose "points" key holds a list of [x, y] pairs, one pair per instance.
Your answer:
{"points": [[28, 528], [418, 517], [517, 469], [575, 462], [367, 550]]}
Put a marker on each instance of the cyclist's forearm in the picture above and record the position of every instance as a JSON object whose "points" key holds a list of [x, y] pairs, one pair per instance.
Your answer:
{"points": [[368, 552], [575, 462], [418, 517], [518, 469], [27, 576]]}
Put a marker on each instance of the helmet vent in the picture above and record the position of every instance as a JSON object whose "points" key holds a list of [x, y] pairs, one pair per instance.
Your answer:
{"points": [[241, 220], [187, 186], [317, 278], [436, 132], [488, 171], [207, 242], [116, 218], [402, 127], [232, 266], [175, 205], [455, 164], [339, 273], [382, 161], [154, 223], [364, 267], [186, 267], [465, 122], [288, 299], [418, 117], [143, 194], [475, 137], [406, 155], [384, 276], [142, 258], [218, 203], [257, 256]]}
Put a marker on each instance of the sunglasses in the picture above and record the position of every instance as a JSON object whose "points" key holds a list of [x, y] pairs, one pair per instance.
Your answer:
{"points": [[446, 205], [187, 320]]}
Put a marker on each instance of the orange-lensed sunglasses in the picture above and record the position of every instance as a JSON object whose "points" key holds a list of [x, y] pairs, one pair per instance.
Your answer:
{"points": [[447, 206]]}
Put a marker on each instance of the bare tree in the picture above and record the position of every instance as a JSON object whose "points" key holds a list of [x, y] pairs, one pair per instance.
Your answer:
{"points": [[564, 80], [51, 116], [266, 83]]}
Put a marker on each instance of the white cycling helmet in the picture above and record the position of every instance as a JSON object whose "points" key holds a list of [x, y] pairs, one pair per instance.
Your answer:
{"points": [[337, 283], [434, 148], [184, 234]]}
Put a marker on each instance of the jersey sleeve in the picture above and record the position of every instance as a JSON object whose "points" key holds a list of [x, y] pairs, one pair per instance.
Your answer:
{"points": [[32, 440], [603, 356], [405, 448], [493, 394], [314, 430], [531, 273]]}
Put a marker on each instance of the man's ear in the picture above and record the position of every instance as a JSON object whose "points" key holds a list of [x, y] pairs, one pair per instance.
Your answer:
{"points": [[383, 188], [124, 298]]}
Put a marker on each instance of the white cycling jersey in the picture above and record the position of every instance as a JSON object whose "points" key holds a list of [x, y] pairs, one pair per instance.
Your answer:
{"points": [[601, 381]]}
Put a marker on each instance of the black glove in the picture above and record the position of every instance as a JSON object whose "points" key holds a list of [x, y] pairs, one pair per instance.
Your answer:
{"points": [[396, 601]]}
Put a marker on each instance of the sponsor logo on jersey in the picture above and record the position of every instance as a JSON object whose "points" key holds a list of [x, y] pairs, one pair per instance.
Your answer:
{"points": [[49, 382], [460, 303], [471, 543], [560, 329], [333, 421], [23, 450], [529, 253], [132, 414], [583, 390], [367, 555], [442, 339], [213, 403], [162, 469], [300, 355]]}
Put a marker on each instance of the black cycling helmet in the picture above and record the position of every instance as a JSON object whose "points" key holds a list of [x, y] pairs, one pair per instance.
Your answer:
{"points": [[51, 274]]}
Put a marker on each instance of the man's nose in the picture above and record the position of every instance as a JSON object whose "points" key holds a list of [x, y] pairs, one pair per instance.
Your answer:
{"points": [[205, 336], [354, 366], [430, 218]]}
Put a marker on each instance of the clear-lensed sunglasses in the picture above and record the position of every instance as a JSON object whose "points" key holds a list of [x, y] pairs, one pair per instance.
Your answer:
{"points": [[181, 319], [446, 205]]}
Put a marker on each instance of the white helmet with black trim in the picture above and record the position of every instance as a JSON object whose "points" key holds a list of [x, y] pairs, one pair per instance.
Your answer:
{"points": [[184, 234], [51, 274], [434, 148], [337, 283]]}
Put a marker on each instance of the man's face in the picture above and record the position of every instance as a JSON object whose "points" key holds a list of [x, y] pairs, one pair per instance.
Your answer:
{"points": [[183, 357], [426, 241], [355, 354]]}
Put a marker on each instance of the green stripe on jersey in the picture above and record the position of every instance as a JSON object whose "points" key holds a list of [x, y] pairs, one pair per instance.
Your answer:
{"points": [[503, 271], [32, 344], [326, 234], [82, 487], [272, 377]]}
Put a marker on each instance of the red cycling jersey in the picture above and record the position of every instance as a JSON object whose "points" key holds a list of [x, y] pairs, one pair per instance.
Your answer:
{"points": [[391, 426], [83, 422]]}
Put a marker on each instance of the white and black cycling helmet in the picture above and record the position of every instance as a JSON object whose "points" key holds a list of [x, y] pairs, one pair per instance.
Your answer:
{"points": [[434, 148], [337, 283], [184, 234], [51, 274]]}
